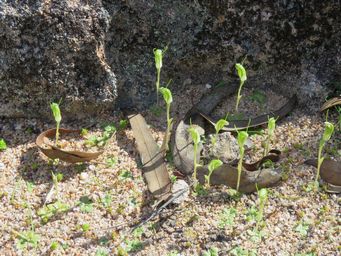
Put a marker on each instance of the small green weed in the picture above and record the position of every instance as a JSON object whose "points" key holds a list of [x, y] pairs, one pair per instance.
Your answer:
{"points": [[3, 145], [213, 251], [85, 204], [227, 217], [48, 211]]}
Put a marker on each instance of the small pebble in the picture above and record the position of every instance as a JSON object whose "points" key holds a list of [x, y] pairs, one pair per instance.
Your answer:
{"points": [[84, 176], [92, 167]]}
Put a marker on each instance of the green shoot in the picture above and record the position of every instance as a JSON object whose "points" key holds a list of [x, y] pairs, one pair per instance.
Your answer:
{"points": [[57, 117], [196, 140], [218, 126], [51, 210], [54, 246], [213, 251], [242, 137], [213, 165], [328, 132], [167, 96], [3, 144], [227, 217], [271, 130], [242, 77], [158, 55], [27, 239], [85, 227], [263, 197]]}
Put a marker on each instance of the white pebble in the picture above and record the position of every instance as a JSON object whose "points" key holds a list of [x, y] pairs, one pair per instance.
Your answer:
{"points": [[92, 167], [84, 176], [208, 86], [2, 166]]}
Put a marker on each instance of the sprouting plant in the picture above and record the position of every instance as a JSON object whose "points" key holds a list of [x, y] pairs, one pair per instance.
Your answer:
{"points": [[213, 251], [167, 96], [48, 211], [111, 161], [3, 144], [123, 124], [27, 239], [218, 126], [328, 132], [158, 55], [196, 140], [239, 251], [227, 217], [263, 197], [54, 246], [107, 200], [242, 137], [271, 130], [109, 131], [101, 252], [57, 117], [85, 204], [302, 228], [85, 227], [242, 77], [213, 165]]}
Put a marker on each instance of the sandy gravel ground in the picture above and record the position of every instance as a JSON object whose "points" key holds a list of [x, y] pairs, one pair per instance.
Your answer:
{"points": [[103, 198]]}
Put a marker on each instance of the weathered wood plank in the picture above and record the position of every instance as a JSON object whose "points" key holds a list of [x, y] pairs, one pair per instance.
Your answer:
{"points": [[153, 166]]}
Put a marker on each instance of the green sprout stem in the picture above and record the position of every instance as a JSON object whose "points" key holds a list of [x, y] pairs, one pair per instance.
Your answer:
{"points": [[238, 95], [319, 160], [241, 138], [240, 165], [195, 149], [328, 132], [158, 85]]}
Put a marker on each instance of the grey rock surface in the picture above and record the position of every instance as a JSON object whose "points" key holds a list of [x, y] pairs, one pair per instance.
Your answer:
{"points": [[97, 55], [225, 148]]}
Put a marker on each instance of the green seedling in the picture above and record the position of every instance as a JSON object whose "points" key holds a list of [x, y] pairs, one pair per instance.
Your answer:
{"points": [[57, 117], [48, 211], [85, 204], [111, 161], [101, 141], [227, 217], [242, 77], [302, 228], [239, 251], [3, 144], [27, 239], [271, 130], [328, 132], [84, 132], [263, 197], [196, 140], [158, 56], [242, 137], [101, 252], [167, 96], [107, 200], [123, 124], [85, 227], [213, 165], [218, 126], [54, 246], [213, 251]]}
